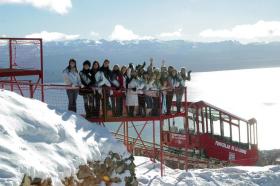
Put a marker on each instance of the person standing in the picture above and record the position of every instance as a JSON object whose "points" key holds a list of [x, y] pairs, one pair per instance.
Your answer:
{"points": [[86, 92], [103, 80], [181, 90], [72, 79], [96, 94], [117, 97], [132, 95], [174, 84]]}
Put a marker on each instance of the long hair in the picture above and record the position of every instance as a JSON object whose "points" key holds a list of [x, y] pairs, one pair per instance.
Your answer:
{"points": [[69, 67], [95, 62]]}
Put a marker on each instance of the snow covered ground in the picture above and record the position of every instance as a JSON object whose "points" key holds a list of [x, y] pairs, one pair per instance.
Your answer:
{"points": [[42, 141], [148, 173]]}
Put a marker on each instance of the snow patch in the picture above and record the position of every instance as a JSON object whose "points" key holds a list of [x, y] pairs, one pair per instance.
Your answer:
{"points": [[42, 141]]}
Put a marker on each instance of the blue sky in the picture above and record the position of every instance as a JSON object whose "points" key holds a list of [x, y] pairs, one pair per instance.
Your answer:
{"points": [[195, 20]]}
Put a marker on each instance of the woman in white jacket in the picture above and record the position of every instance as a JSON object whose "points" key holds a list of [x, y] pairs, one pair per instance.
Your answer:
{"points": [[132, 93], [72, 79]]}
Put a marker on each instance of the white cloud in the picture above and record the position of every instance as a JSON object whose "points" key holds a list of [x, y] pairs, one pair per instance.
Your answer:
{"points": [[120, 33], [177, 33], [265, 31], [59, 6], [94, 34], [53, 36]]}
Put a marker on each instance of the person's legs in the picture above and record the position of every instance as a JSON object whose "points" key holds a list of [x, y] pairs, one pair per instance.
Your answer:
{"points": [[71, 94], [169, 98], [179, 97], [86, 105], [155, 106], [131, 111], [141, 101], [149, 103], [119, 105], [113, 102], [75, 95], [90, 104], [96, 104]]}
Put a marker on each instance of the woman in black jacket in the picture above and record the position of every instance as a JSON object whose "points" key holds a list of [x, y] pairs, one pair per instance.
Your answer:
{"points": [[86, 91], [96, 96]]}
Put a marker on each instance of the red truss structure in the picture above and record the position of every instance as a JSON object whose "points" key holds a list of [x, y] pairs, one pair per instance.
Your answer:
{"points": [[21, 60]]}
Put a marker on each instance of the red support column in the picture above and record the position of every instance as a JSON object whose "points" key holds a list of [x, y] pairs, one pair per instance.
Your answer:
{"points": [[42, 72], [186, 130], [11, 63], [248, 133], [202, 120], [126, 136], [161, 149], [206, 112], [124, 133], [154, 142], [230, 129], [256, 133]]}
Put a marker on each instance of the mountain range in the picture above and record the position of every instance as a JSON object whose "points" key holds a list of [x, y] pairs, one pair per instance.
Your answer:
{"points": [[196, 56]]}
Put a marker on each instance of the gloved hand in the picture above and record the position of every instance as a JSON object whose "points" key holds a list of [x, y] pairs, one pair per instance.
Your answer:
{"points": [[82, 86], [73, 86]]}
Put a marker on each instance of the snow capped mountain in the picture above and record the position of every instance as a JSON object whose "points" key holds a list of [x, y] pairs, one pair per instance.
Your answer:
{"points": [[197, 56]]}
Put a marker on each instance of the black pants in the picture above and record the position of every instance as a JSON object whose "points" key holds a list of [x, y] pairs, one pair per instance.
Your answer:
{"points": [[117, 105], [96, 104], [179, 96], [106, 101], [131, 111], [141, 101], [72, 95], [169, 97], [156, 107]]}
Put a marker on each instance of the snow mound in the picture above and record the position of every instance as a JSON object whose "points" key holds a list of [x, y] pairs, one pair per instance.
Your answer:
{"points": [[148, 173], [41, 141]]}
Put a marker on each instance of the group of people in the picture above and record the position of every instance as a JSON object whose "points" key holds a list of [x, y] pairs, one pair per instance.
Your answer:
{"points": [[144, 90]]}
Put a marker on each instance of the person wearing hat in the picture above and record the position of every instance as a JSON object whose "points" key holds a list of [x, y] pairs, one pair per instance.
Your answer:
{"points": [[86, 91], [73, 81]]}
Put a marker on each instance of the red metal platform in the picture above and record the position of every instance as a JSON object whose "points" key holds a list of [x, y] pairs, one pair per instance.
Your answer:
{"points": [[201, 127]]}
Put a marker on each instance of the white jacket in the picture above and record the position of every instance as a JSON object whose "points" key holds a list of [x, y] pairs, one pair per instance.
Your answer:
{"points": [[101, 79], [71, 78], [132, 95]]}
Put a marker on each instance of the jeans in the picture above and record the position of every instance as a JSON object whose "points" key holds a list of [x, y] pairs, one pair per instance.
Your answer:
{"points": [[72, 95], [96, 104], [88, 102]]}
